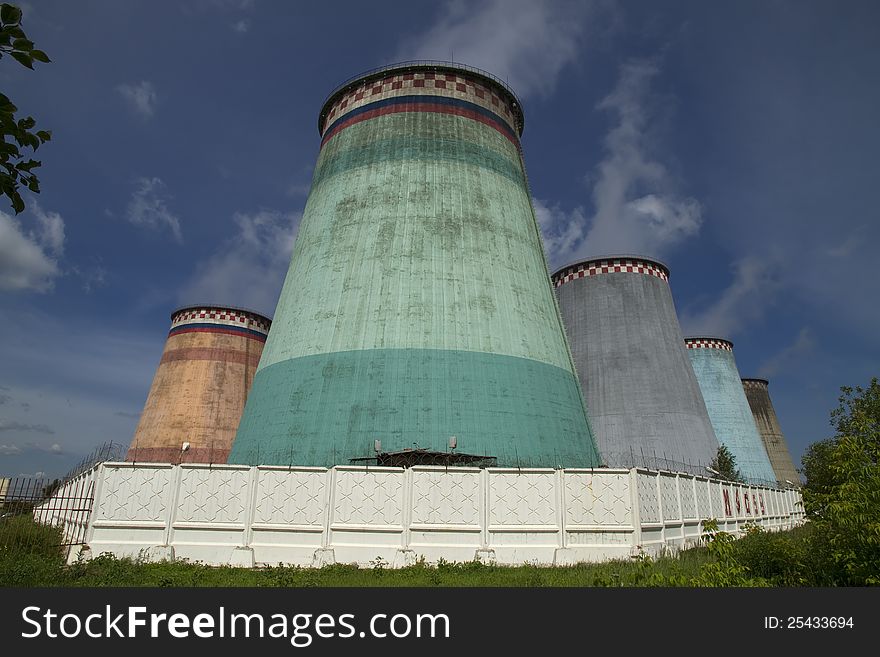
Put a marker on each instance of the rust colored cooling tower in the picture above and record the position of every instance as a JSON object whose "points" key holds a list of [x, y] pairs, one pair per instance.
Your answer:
{"points": [[201, 385], [758, 394]]}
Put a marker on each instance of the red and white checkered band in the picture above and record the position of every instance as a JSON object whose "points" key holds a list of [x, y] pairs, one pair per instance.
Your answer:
{"points": [[221, 316], [423, 84], [610, 266], [708, 343]]}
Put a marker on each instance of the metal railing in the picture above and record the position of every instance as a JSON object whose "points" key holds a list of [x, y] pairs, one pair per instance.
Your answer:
{"points": [[42, 514], [46, 514]]}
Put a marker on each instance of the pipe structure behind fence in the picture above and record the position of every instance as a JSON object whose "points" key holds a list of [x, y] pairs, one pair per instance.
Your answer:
{"points": [[311, 516]]}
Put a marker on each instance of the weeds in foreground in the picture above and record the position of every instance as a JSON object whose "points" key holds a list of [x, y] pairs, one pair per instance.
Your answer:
{"points": [[761, 558]]}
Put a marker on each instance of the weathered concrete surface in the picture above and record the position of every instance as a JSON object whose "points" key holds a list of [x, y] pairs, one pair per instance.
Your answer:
{"points": [[200, 387], [642, 396], [758, 393], [417, 304], [718, 376]]}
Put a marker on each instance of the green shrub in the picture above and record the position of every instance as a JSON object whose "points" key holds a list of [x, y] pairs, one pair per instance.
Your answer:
{"points": [[842, 493], [780, 558]]}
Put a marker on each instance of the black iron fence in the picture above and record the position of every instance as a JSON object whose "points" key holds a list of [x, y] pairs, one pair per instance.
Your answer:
{"points": [[40, 514], [45, 514]]}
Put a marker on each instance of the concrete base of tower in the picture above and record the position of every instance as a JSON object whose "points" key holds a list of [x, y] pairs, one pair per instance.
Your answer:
{"points": [[329, 409]]}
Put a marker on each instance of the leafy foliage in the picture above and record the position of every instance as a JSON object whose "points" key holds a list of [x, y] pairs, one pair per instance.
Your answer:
{"points": [[725, 464], [16, 166], [842, 493]]}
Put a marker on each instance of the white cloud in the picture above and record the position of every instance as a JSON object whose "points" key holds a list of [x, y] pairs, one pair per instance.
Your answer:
{"points": [[141, 97], [148, 207], [249, 268], [11, 425], [9, 450], [51, 229], [562, 231], [848, 247], [298, 189], [241, 26], [525, 42], [755, 287], [39, 474], [804, 343], [73, 374], [636, 206], [24, 261], [91, 277]]}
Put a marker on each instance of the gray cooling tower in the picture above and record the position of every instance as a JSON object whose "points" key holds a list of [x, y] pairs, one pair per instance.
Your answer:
{"points": [[641, 393], [716, 371], [758, 393]]}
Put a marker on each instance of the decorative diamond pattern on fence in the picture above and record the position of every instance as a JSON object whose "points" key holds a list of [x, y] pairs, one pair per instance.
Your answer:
{"points": [[446, 497], [669, 498], [134, 493], [597, 500], [213, 495], [649, 505], [266, 515], [522, 498], [688, 499], [291, 497], [704, 500], [369, 497]]}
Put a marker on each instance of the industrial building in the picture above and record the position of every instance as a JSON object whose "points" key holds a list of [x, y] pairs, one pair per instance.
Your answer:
{"points": [[719, 379], [416, 319], [641, 393], [758, 393], [418, 326], [200, 387]]}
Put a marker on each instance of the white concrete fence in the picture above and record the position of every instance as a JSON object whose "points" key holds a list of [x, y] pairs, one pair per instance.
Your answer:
{"points": [[241, 515]]}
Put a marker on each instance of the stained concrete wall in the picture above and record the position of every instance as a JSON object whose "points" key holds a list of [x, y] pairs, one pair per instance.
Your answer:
{"points": [[758, 393], [200, 387], [718, 376], [417, 305], [642, 396]]}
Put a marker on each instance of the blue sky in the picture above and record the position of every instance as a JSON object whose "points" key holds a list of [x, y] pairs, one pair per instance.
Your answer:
{"points": [[736, 141]]}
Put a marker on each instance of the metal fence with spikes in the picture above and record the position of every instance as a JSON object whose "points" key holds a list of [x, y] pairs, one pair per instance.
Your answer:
{"points": [[53, 514]]}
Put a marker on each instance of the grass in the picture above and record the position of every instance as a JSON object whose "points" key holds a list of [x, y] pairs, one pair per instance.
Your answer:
{"points": [[30, 556]]}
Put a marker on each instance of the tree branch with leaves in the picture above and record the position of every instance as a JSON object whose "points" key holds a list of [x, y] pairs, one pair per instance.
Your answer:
{"points": [[18, 135], [842, 493]]}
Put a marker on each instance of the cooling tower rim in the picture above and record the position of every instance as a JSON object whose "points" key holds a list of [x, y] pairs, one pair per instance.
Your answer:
{"points": [[416, 65], [754, 380], [220, 306], [614, 256], [709, 338]]}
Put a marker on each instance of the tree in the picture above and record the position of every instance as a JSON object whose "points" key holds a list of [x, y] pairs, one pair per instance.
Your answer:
{"points": [[17, 134], [724, 464], [842, 493]]}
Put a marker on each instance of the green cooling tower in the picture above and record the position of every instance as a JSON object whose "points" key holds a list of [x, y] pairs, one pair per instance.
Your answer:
{"points": [[417, 305]]}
